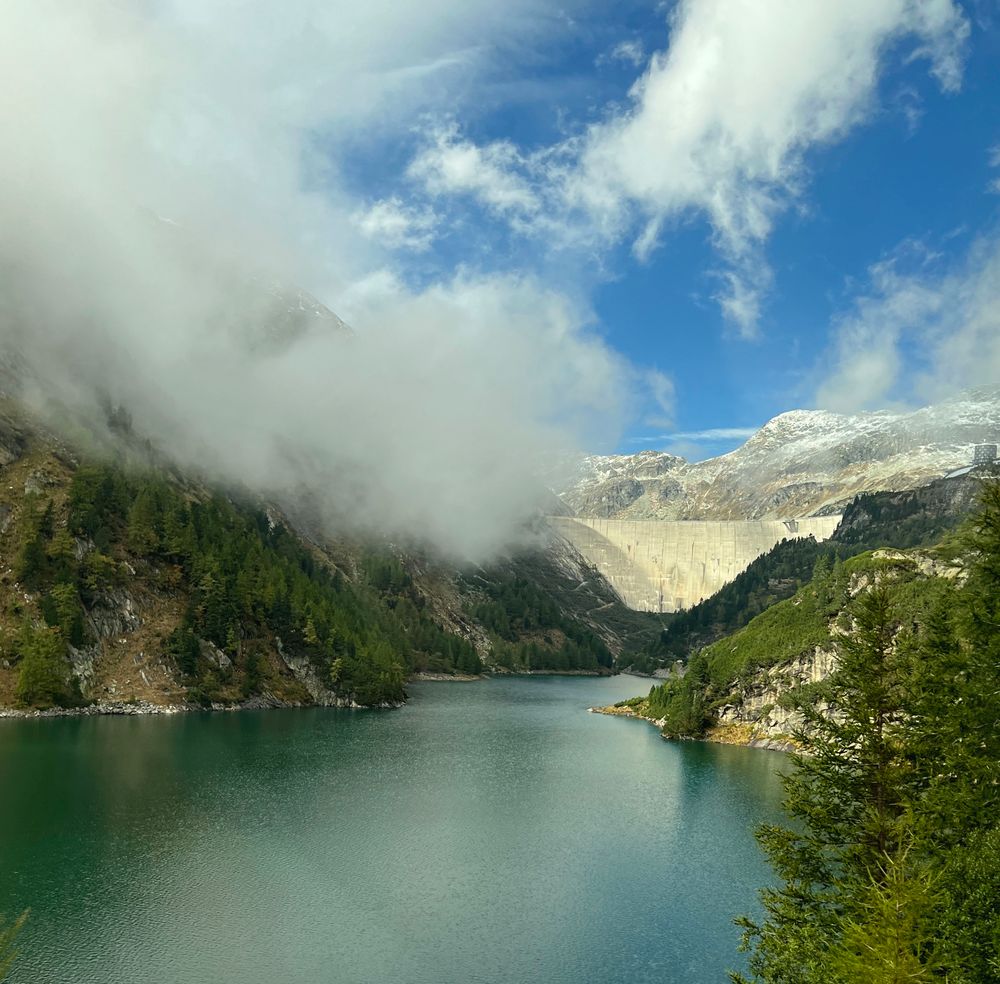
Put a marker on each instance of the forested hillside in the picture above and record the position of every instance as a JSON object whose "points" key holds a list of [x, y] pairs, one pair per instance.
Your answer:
{"points": [[130, 585], [884, 672], [724, 682], [531, 632], [227, 598]]}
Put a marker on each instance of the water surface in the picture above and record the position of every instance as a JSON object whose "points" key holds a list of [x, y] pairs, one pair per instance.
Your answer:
{"points": [[488, 832]]}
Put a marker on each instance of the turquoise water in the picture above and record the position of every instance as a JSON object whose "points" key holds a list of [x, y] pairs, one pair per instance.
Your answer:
{"points": [[487, 832]]}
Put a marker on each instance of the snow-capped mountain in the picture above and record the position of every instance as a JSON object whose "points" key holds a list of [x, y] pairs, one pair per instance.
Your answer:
{"points": [[801, 463]]}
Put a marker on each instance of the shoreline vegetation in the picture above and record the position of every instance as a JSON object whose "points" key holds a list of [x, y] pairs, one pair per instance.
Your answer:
{"points": [[128, 590]]}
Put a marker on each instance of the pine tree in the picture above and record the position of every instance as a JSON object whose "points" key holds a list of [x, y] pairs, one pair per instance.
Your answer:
{"points": [[142, 519], [848, 794], [956, 721], [65, 602], [968, 923], [42, 679], [890, 936], [911, 756], [32, 562], [62, 556], [975, 750]]}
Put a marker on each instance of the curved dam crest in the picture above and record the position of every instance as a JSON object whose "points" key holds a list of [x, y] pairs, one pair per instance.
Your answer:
{"points": [[658, 566]]}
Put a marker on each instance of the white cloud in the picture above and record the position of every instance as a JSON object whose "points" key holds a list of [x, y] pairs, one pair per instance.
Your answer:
{"points": [[632, 52], [451, 165], [993, 159], [715, 434], [699, 444], [919, 334], [663, 396], [719, 125], [720, 121], [397, 225], [708, 436]]}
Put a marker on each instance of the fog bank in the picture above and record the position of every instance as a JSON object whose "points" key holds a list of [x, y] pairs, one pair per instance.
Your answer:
{"points": [[160, 203]]}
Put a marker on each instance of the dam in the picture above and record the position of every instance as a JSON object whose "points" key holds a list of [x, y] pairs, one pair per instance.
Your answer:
{"points": [[658, 566]]}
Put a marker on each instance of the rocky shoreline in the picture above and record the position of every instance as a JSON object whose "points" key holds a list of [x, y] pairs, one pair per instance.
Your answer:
{"points": [[138, 708], [446, 677], [722, 734], [116, 708], [471, 678]]}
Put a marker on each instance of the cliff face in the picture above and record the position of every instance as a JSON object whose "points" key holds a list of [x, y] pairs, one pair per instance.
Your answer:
{"points": [[801, 463], [762, 711], [760, 708]]}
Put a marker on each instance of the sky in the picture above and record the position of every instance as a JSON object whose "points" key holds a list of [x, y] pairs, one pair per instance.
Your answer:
{"points": [[578, 226], [762, 205]]}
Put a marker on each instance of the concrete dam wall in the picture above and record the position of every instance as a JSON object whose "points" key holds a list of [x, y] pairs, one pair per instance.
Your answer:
{"points": [[668, 566]]}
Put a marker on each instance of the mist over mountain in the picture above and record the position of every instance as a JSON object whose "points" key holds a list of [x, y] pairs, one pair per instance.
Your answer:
{"points": [[151, 235]]}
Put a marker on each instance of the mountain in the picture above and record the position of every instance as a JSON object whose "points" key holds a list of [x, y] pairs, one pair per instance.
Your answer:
{"points": [[801, 463]]}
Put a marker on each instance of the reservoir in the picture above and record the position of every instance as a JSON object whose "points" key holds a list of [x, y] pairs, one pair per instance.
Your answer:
{"points": [[487, 833]]}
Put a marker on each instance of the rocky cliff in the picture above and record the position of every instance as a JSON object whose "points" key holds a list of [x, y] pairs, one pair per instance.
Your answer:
{"points": [[761, 707]]}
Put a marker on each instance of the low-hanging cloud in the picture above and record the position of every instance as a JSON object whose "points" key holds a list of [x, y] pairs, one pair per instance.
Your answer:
{"points": [[161, 187]]}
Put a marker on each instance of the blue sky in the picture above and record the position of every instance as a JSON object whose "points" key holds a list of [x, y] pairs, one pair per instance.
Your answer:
{"points": [[883, 194]]}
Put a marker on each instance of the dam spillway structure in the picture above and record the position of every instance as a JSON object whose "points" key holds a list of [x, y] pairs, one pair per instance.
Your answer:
{"points": [[660, 566]]}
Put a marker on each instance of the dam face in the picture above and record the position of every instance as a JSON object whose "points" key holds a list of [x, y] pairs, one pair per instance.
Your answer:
{"points": [[669, 566]]}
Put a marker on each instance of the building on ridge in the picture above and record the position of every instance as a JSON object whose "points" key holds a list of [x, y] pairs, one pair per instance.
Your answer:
{"points": [[984, 454]]}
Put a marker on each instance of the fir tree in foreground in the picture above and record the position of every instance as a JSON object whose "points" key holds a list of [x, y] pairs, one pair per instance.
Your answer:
{"points": [[890, 871]]}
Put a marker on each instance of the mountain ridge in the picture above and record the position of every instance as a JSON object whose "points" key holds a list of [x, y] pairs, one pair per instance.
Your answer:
{"points": [[800, 463]]}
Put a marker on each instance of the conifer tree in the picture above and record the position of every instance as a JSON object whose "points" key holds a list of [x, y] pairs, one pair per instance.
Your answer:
{"points": [[142, 518], [957, 719], [42, 679], [848, 795], [911, 756], [888, 935]]}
